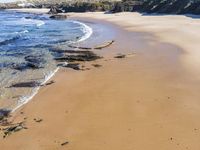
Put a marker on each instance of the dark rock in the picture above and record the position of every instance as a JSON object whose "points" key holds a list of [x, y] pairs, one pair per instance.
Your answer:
{"points": [[26, 84], [97, 65], [20, 67], [79, 47], [107, 44], [70, 51], [74, 66], [49, 83], [65, 143], [38, 120], [13, 128], [4, 113], [28, 18], [120, 56], [35, 62], [34, 59], [55, 10], [59, 17], [81, 57], [118, 7], [87, 6]]}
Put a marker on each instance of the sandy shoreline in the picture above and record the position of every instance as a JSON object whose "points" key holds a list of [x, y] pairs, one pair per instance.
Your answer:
{"points": [[146, 101]]}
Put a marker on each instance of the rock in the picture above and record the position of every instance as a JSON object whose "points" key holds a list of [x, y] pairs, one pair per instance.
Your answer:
{"points": [[65, 143], [74, 66], [26, 84], [97, 65], [13, 128], [4, 114], [20, 67], [38, 120], [49, 83], [70, 51], [79, 47], [59, 17], [55, 10], [81, 57], [104, 45], [120, 56], [34, 62], [118, 7]]}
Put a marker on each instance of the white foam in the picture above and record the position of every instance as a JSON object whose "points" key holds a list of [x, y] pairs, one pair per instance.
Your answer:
{"points": [[25, 99], [86, 30], [36, 22], [40, 24], [21, 32]]}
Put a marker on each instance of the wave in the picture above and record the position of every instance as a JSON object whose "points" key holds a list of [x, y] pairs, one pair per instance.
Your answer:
{"points": [[13, 39], [25, 99], [86, 30], [22, 32], [8, 41], [25, 21]]}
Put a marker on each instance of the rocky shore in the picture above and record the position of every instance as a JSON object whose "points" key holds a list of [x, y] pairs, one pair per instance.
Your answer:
{"points": [[114, 6]]}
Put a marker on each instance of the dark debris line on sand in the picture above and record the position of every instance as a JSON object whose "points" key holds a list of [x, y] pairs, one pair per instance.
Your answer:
{"points": [[13, 128], [104, 45], [65, 143], [26, 84], [8, 127], [97, 65], [38, 120]]}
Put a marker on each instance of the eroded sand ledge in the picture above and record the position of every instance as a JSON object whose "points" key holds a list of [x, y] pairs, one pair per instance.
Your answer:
{"points": [[149, 101]]}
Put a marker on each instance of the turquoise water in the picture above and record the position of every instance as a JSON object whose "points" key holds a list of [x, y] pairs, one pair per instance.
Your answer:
{"points": [[29, 37]]}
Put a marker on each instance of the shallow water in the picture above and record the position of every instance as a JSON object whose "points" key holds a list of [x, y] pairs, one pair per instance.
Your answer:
{"points": [[23, 35]]}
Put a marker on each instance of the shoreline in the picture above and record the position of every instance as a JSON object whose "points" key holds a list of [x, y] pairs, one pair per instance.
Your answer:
{"points": [[144, 101], [23, 100]]}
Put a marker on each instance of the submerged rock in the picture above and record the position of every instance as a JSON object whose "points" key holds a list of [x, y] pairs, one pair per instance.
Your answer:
{"points": [[20, 67], [26, 84], [57, 50], [35, 62], [80, 57]]}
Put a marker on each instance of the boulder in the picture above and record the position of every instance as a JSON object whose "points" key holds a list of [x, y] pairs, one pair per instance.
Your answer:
{"points": [[55, 10], [59, 17]]}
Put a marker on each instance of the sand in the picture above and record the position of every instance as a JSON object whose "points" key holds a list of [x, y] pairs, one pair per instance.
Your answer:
{"points": [[147, 101]]}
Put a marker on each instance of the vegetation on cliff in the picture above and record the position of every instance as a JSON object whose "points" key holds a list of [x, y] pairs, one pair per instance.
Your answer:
{"points": [[148, 6]]}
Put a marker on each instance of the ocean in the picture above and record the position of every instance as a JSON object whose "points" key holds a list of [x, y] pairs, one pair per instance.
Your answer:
{"points": [[26, 52]]}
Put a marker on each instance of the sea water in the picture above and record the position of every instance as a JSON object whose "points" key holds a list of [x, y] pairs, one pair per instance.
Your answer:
{"points": [[25, 35]]}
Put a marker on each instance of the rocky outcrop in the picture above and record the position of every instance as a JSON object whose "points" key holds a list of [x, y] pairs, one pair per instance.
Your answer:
{"points": [[55, 10], [159, 6], [59, 17], [87, 6]]}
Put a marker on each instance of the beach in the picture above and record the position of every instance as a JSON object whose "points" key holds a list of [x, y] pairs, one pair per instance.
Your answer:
{"points": [[148, 99]]}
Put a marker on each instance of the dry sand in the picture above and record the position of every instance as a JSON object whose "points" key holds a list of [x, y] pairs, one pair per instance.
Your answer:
{"points": [[149, 101]]}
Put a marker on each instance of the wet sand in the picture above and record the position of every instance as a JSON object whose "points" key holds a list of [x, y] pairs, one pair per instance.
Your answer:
{"points": [[149, 100]]}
